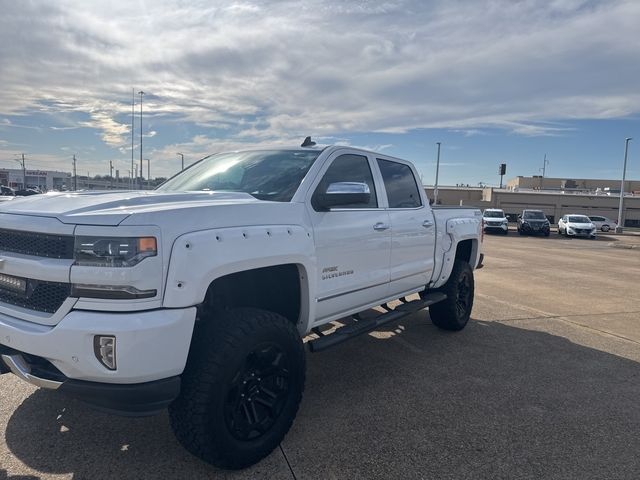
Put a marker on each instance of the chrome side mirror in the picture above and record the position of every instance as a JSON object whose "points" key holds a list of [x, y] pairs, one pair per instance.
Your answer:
{"points": [[343, 194]]}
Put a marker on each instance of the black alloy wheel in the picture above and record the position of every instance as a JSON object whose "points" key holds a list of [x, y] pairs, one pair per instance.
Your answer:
{"points": [[258, 392], [464, 292]]}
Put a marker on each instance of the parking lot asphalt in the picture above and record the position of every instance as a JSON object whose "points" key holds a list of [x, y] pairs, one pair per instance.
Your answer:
{"points": [[543, 383]]}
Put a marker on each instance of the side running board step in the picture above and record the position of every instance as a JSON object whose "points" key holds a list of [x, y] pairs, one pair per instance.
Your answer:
{"points": [[359, 327]]}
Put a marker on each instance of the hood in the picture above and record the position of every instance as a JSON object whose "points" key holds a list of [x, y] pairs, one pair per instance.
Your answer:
{"points": [[110, 208]]}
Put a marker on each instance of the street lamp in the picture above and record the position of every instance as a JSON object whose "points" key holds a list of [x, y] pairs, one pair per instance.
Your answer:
{"points": [[141, 93], [148, 174], [435, 187], [620, 226], [182, 159]]}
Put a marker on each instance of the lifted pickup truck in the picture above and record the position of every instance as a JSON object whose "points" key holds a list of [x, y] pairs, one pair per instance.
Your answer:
{"points": [[197, 296]]}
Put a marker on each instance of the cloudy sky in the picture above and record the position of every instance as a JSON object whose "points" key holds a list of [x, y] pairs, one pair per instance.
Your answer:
{"points": [[495, 81]]}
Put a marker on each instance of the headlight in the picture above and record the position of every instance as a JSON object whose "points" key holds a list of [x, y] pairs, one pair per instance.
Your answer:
{"points": [[113, 251], [504, 222]]}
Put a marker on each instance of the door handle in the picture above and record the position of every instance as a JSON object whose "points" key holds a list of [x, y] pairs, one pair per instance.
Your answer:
{"points": [[427, 224], [380, 227]]}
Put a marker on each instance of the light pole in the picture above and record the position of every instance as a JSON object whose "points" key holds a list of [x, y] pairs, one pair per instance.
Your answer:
{"points": [[141, 93], [620, 226], [182, 159], [133, 136], [545, 162], [435, 187], [148, 174]]}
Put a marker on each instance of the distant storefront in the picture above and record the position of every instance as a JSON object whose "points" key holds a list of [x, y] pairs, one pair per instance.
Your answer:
{"points": [[45, 180]]}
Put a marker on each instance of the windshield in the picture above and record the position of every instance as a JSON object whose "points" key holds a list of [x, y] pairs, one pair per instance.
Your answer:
{"points": [[578, 219], [534, 216], [266, 174], [494, 214]]}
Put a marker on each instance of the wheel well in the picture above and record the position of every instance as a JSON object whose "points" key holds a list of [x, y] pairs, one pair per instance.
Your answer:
{"points": [[276, 289], [464, 250]]}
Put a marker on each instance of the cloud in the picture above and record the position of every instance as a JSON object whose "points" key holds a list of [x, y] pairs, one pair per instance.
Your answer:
{"points": [[263, 71]]}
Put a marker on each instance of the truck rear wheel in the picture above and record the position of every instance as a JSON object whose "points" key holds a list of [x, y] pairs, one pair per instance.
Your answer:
{"points": [[454, 312], [241, 387]]}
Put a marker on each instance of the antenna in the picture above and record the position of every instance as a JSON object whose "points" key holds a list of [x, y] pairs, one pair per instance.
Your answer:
{"points": [[307, 142]]}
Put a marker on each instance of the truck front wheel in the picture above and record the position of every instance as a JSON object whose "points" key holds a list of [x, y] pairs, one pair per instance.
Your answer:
{"points": [[241, 387], [454, 312]]}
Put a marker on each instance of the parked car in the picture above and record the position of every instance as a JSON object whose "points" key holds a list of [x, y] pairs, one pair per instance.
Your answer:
{"points": [[603, 223], [494, 220], [7, 191], [27, 192], [574, 225], [197, 296], [533, 222]]}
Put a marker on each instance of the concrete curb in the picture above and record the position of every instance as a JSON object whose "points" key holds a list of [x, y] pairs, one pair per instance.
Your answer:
{"points": [[628, 246]]}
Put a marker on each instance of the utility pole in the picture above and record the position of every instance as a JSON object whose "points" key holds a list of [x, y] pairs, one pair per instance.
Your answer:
{"points": [[111, 174], [24, 171], [182, 159], [141, 93], [75, 175], [435, 187], [620, 227], [148, 173], [133, 104]]}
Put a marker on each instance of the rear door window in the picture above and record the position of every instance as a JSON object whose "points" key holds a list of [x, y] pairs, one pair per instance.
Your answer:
{"points": [[400, 184]]}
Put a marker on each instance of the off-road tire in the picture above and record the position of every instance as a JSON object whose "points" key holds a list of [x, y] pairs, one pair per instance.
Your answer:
{"points": [[450, 314], [209, 414]]}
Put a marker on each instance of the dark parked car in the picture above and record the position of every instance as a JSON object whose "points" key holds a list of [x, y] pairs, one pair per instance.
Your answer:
{"points": [[6, 191], [533, 222], [27, 192]]}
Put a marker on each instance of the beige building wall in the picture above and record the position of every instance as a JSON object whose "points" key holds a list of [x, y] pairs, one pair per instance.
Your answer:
{"points": [[581, 183], [552, 204]]}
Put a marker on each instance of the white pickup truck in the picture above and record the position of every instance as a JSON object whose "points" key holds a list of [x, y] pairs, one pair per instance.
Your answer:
{"points": [[197, 296]]}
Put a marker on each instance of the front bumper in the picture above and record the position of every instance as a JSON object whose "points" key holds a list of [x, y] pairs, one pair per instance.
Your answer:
{"points": [[151, 345], [496, 228], [535, 229], [586, 234], [138, 399]]}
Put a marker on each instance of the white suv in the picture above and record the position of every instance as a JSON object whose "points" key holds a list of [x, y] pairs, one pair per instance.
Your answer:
{"points": [[494, 220]]}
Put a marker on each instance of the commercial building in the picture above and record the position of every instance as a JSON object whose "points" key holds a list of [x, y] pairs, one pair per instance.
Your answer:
{"points": [[586, 185], [52, 180], [44, 180], [554, 196]]}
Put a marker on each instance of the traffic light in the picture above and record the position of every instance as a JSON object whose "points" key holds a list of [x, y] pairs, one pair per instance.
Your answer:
{"points": [[502, 169]]}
